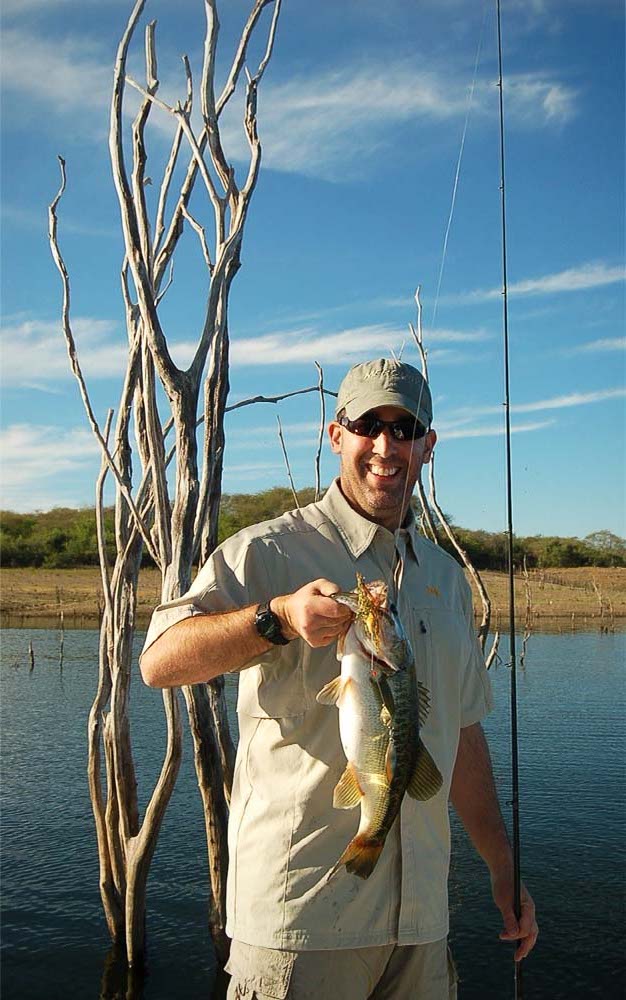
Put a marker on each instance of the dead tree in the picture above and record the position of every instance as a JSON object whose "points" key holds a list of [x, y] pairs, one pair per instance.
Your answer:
{"points": [[179, 528], [483, 629]]}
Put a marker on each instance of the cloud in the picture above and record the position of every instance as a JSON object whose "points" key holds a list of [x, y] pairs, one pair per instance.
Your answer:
{"points": [[34, 454], [492, 431], [62, 73], [572, 399], [322, 124], [604, 345], [37, 348], [31, 218], [305, 345], [569, 400], [312, 125], [573, 279]]}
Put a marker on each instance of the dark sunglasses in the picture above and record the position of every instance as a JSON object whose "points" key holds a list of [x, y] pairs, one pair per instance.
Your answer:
{"points": [[405, 429]]}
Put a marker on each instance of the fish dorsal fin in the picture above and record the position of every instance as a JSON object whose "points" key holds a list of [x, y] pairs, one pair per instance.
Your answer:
{"points": [[331, 692], [348, 792], [426, 779], [424, 702]]}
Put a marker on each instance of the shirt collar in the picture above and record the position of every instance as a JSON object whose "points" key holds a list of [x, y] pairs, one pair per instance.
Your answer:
{"points": [[357, 531]]}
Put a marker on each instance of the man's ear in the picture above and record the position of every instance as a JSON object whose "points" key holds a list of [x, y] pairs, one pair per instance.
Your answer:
{"points": [[335, 431], [429, 444]]}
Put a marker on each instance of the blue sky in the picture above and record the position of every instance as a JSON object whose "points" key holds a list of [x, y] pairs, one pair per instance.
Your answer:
{"points": [[361, 114]]}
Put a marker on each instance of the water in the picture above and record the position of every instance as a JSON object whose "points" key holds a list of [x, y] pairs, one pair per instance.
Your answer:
{"points": [[54, 939]]}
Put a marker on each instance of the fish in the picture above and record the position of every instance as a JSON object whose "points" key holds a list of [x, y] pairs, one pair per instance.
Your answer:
{"points": [[381, 708]]}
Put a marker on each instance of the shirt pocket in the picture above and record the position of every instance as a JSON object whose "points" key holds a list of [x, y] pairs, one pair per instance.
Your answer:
{"points": [[274, 688]]}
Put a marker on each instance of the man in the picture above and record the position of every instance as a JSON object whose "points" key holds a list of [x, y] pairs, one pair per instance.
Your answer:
{"points": [[262, 604]]}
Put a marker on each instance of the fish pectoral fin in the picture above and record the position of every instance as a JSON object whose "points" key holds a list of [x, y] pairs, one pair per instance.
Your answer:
{"points": [[385, 717], [424, 702], [390, 761], [348, 792], [426, 779], [331, 692]]}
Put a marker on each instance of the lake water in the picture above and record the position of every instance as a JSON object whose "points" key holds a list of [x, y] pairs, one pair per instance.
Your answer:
{"points": [[572, 709]]}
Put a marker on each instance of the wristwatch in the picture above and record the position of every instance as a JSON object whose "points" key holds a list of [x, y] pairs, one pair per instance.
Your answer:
{"points": [[267, 625]]}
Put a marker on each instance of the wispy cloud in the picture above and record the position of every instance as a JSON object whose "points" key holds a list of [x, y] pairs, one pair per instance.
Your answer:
{"points": [[102, 350], [602, 346], [311, 125], [317, 124], [344, 346], [566, 401], [573, 279], [490, 431], [31, 218], [33, 455]]}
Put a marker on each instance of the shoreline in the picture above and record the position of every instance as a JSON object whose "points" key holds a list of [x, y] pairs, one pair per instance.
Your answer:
{"points": [[577, 597]]}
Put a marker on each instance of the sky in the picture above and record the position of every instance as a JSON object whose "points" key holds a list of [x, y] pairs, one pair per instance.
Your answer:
{"points": [[375, 119]]}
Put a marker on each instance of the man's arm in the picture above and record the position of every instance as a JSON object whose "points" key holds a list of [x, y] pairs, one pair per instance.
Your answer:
{"points": [[473, 795], [202, 647]]}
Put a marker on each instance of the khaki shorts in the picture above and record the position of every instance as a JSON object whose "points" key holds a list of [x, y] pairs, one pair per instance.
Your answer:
{"points": [[390, 972]]}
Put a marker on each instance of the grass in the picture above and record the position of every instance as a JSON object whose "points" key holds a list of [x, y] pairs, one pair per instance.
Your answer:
{"points": [[40, 594]]}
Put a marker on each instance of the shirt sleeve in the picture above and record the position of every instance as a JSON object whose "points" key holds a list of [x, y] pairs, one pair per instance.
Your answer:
{"points": [[233, 577], [476, 694]]}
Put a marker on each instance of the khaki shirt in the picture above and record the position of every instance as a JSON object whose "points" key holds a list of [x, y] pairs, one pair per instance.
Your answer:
{"points": [[284, 834]]}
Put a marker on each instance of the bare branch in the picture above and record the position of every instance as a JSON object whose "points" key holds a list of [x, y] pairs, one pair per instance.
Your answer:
{"points": [[270, 43], [286, 457], [75, 366], [202, 237], [240, 56], [183, 118], [100, 529], [320, 441], [130, 226], [275, 399], [168, 285]]}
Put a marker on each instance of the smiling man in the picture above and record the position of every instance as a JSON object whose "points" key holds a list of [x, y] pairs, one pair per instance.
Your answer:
{"points": [[262, 606]]}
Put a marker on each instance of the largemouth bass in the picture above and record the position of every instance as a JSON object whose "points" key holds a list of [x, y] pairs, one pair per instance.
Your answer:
{"points": [[381, 706]]}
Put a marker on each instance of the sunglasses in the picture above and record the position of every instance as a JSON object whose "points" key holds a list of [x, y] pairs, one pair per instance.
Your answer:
{"points": [[405, 429]]}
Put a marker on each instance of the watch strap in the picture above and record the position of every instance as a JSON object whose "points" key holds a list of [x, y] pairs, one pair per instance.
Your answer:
{"points": [[268, 626]]}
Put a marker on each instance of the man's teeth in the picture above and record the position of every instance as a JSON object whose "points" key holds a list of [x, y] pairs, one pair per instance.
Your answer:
{"points": [[379, 471]]}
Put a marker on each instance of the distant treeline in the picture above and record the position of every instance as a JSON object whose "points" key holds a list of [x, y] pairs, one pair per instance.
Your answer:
{"points": [[64, 537]]}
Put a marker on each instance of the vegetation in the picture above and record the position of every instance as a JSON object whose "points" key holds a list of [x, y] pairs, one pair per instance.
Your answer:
{"points": [[63, 538]]}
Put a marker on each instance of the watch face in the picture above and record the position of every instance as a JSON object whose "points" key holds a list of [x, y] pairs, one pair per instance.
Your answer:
{"points": [[268, 626]]}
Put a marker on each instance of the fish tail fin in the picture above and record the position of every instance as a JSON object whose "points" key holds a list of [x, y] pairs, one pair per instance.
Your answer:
{"points": [[361, 855], [426, 779]]}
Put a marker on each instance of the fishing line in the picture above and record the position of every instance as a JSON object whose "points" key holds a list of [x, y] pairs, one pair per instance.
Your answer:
{"points": [[509, 504], [458, 162], [395, 571]]}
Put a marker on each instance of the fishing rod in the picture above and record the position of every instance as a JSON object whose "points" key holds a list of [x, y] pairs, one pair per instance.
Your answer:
{"points": [[509, 506]]}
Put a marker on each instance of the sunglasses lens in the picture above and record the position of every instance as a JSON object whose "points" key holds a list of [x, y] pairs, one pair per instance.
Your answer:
{"points": [[401, 430], [365, 427]]}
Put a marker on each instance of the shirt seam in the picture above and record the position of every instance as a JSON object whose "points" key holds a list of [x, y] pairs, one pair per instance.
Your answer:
{"points": [[294, 802]]}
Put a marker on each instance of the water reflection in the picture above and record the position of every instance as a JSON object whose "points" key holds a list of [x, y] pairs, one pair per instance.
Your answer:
{"points": [[572, 800]]}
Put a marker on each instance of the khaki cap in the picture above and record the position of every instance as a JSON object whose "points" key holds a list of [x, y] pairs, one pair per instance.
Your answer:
{"points": [[385, 382]]}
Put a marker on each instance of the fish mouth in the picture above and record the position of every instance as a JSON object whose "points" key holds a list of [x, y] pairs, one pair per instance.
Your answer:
{"points": [[348, 599]]}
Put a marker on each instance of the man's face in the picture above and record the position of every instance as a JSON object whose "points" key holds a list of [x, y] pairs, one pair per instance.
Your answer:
{"points": [[378, 474]]}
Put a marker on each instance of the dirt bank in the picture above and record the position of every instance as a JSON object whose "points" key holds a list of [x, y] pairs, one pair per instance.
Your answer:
{"points": [[586, 593]]}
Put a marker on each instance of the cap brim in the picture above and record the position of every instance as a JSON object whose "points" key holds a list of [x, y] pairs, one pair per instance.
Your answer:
{"points": [[362, 403]]}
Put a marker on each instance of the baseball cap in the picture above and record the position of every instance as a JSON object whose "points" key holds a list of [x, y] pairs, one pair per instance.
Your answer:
{"points": [[385, 382]]}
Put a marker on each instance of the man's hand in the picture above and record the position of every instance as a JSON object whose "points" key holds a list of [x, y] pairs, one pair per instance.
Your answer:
{"points": [[526, 931], [312, 614]]}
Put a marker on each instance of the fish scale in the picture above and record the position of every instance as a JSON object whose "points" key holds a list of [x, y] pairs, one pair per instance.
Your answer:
{"points": [[380, 707]]}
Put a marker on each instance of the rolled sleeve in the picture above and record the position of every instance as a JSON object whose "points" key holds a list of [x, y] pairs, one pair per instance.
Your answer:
{"points": [[476, 694], [233, 577]]}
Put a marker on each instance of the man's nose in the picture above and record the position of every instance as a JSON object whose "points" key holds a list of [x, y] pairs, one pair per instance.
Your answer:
{"points": [[385, 443]]}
